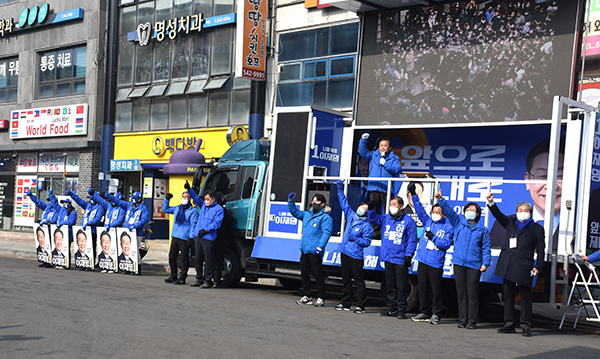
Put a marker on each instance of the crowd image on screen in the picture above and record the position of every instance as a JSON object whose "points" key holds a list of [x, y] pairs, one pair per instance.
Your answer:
{"points": [[467, 61]]}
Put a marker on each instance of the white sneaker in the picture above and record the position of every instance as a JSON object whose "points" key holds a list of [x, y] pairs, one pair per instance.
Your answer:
{"points": [[305, 301], [320, 302], [104, 271], [341, 307], [110, 272]]}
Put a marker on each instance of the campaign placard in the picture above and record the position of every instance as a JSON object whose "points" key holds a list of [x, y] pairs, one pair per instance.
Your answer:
{"points": [[84, 254], [128, 251], [60, 256], [107, 250], [42, 242]]}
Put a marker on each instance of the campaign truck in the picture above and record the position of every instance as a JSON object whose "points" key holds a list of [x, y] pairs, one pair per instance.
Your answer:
{"points": [[553, 164]]}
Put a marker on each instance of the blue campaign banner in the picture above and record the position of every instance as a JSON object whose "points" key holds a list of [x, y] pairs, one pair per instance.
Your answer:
{"points": [[281, 220], [326, 149], [491, 152], [593, 236]]}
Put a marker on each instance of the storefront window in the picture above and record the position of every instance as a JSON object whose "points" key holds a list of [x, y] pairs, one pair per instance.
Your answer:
{"points": [[141, 115], [318, 67], [9, 79], [178, 112], [62, 72], [218, 108], [160, 114], [198, 111]]}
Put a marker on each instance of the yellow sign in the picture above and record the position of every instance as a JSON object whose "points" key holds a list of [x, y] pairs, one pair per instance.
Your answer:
{"points": [[237, 134], [157, 146]]}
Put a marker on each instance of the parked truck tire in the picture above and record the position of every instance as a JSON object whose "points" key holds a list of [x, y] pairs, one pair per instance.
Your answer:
{"points": [[232, 268]]}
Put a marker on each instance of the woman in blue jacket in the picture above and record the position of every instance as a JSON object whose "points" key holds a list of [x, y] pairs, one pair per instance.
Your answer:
{"points": [[185, 217], [431, 254], [357, 237], [472, 256], [317, 226]]}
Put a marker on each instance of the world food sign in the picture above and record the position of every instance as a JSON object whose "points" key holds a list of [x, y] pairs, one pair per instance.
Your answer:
{"points": [[49, 122]]}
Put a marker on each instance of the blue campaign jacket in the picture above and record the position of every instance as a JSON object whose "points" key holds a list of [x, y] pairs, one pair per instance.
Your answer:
{"points": [[594, 257], [183, 230], [136, 216], [93, 212], [442, 239], [49, 215], [209, 218], [472, 247], [398, 236], [391, 168], [316, 227], [357, 228], [115, 215], [64, 218]]}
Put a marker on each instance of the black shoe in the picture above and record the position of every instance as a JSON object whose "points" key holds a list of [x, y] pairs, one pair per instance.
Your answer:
{"points": [[221, 285], [401, 315], [197, 283], [461, 325], [526, 332], [471, 326], [206, 285], [389, 313], [170, 280], [179, 281], [41, 265], [506, 330]]}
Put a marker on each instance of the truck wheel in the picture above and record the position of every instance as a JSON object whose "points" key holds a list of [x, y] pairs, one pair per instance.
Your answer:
{"points": [[290, 284], [232, 269]]}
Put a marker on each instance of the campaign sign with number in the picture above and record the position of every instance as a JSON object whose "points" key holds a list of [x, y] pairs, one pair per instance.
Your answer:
{"points": [[60, 256], [128, 251], [42, 242], [84, 250], [107, 250]]}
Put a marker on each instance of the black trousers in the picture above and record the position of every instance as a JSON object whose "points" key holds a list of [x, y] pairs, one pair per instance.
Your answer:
{"points": [[430, 289], [379, 199], [353, 268], [509, 289], [312, 261], [204, 249], [467, 292], [396, 279], [179, 245], [220, 244]]}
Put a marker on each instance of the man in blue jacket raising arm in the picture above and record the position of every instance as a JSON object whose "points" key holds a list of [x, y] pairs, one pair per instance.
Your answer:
{"points": [[185, 216], [398, 244], [431, 254], [92, 215], [357, 237], [317, 226], [115, 215], [210, 217], [136, 216]]}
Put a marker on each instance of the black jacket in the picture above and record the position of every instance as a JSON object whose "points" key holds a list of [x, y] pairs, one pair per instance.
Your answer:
{"points": [[515, 264]]}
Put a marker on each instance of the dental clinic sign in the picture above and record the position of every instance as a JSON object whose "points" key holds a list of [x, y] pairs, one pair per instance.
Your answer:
{"points": [[49, 122], [171, 28]]}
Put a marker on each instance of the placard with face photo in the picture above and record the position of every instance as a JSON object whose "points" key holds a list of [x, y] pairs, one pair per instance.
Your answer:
{"points": [[84, 247], [128, 251], [42, 242], [60, 256], [107, 250]]}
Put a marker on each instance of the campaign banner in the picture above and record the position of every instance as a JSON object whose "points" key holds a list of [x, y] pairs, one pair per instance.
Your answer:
{"points": [[326, 144], [42, 242], [84, 256], [60, 255], [107, 250], [490, 153], [593, 231], [128, 251], [281, 220], [68, 120]]}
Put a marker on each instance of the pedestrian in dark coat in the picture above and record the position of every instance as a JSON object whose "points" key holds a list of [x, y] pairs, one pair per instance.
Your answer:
{"points": [[516, 263]]}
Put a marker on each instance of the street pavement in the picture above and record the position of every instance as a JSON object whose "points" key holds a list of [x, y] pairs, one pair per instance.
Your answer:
{"points": [[74, 314]]}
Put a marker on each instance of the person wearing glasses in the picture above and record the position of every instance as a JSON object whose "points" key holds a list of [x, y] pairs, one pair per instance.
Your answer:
{"points": [[537, 170]]}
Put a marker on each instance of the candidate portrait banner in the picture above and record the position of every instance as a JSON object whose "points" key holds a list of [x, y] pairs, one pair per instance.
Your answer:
{"points": [[60, 256], [107, 250], [84, 248], [128, 251], [42, 242]]}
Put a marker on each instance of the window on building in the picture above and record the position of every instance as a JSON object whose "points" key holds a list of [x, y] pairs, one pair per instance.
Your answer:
{"points": [[317, 67], [9, 79], [190, 76], [62, 72]]}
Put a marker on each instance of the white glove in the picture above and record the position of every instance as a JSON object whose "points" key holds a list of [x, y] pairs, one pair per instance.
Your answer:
{"points": [[365, 136], [382, 161]]}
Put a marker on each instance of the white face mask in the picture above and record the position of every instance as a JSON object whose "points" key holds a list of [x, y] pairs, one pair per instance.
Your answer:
{"points": [[436, 217], [393, 211], [184, 201], [523, 216]]}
